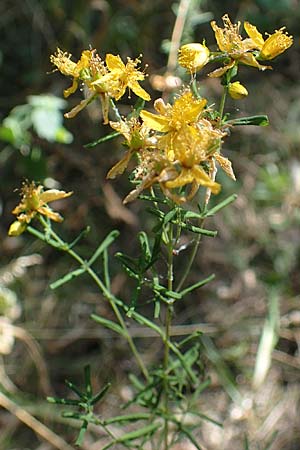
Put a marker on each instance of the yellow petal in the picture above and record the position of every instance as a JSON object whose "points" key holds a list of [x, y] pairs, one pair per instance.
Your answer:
{"points": [[249, 60], [220, 37], [276, 44], [203, 179], [72, 89], [254, 34], [220, 72], [154, 121], [121, 165], [53, 194], [138, 90], [185, 177], [50, 214], [114, 62]]}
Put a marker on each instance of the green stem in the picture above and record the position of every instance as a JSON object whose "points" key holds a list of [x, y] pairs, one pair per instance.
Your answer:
{"points": [[222, 103], [201, 223], [190, 261], [105, 292], [168, 322]]}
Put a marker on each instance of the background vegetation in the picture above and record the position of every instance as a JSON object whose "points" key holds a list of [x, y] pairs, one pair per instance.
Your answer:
{"points": [[250, 313]]}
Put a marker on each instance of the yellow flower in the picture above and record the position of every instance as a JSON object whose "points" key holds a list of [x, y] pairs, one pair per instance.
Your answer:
{"points": [[171, 119], [192, 148], [273, 46], [193, 56], [79, 71], [232, 44], [35, 201], [121, 77], [237, 90], [137, 138]]}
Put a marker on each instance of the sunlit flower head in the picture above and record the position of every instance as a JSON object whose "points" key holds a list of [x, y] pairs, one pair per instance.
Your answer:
{"points": [[192, 147], [186, 110], [122, 76], [35, 201], [234, 46], [171, 119], [193, 56], [273, 46], [237, 91]]}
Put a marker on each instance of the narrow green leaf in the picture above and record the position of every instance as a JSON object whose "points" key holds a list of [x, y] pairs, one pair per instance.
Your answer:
{"points": [[208, 419], [198, 230], [106, 269], [104, 244], [96, 398], [108, 324], [129, 262], [81, 434], [106, 138], [128, 418], [137, 108], [144, 243], [169, 216], [152, 199], [68, 277], [189, 435], [80, 236], [197, 285], [87, 378], [144, 431], [63, 401], [259, 120], [75, 389], [220, 206]]}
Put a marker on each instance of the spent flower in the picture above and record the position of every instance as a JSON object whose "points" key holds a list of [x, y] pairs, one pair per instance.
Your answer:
{"points": [[234, 47]]}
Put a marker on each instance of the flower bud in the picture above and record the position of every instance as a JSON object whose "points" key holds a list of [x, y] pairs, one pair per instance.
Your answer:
{"points": [[193, 56], [17, 228], [237, 90]]}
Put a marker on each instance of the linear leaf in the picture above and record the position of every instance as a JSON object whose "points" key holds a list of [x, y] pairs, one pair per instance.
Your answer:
{"points": [[197, 285], [221, 205], [96, 398], [68, 277], [106, 138], [103, 246], [108, 324], [259, 120]]}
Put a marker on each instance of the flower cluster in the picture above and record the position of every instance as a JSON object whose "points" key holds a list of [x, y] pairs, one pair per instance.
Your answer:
{"points": [[105, 80], [178, 146], [35, 201], [234, 50]]}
